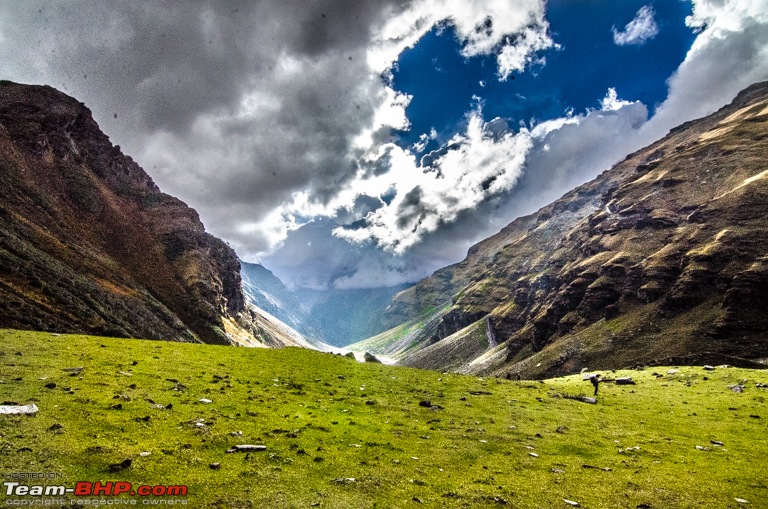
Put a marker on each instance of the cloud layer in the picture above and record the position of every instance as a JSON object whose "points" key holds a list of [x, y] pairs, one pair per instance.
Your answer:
{"points": [[642, 28], [276, 124]]}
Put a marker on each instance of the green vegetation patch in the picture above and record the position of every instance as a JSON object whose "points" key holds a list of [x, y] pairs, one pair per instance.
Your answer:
{"points": [[344, 434]]}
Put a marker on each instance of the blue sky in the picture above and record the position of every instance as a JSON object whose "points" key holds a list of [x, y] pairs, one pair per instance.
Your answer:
{"points": [[575, 77], [298, 130]]}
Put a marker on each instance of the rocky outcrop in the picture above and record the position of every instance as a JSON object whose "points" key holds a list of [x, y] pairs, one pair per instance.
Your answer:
{"points": [[663, 256], [89, 244]]}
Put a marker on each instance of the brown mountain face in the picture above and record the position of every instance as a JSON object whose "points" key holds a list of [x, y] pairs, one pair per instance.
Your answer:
{"points": [[662, 259], [89, 244]]}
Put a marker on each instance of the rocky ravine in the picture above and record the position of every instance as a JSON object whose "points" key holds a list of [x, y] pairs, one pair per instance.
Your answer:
{"points": [[663, 258], [89, 244]]}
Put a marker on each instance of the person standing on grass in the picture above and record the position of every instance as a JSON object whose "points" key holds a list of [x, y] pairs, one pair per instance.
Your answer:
{"points": [[595, 379]]}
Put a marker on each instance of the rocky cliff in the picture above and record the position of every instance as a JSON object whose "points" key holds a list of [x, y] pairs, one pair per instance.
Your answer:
{"points": [[663, 258], [88, 243]]}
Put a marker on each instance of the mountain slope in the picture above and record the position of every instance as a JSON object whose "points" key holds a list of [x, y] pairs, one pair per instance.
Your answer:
{"points": [[333, 316], [88, 243], [662, 258]]}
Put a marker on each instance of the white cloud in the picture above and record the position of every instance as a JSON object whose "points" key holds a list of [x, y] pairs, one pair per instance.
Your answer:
{"points": [[475, 166], [611, 101], [641, 29], [513, 30], [729, 54]]}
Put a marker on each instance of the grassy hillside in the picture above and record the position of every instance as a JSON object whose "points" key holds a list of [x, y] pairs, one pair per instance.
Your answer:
{"points": [[343, 434]]}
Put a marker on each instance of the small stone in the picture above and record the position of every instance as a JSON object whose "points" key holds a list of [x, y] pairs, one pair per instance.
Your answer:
{"points": [[56, 427], [533, 454], [709, 368], [625, 381], [18, 409], [425, 403], [215, 466], [716, 443], [144, 454], [417, 500], [249, 448], [50, 385], [124, 373], [571, 503], [742, 501], [205, 400], [369, 357], [736, 388], [117, 467]]}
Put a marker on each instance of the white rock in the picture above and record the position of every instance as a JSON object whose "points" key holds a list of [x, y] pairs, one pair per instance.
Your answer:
{"points": [[571, 502], [19, 409], [205, 400]]}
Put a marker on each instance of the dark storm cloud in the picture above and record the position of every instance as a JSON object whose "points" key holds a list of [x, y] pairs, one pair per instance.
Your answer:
{"points": [[171, 82]]}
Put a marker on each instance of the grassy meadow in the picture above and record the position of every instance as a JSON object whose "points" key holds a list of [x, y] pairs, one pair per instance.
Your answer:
{"points": [[342, 434]]}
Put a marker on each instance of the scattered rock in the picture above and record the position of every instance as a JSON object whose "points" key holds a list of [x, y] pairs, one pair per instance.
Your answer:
{"points": [[736, 388], [716, 443], [118, 406], [417, 500], [247, 448], [56, 428], [425, 403], [205, 400], [709, 368], [533, 454], [124, 373], [369, 357], [215, 466], [19, 409], [753, 416], [144, 454], [74, 371], [625, 381], [370, 402], [50, 385], [117, 467], [571, 503], [344, 480], [742, 501]]}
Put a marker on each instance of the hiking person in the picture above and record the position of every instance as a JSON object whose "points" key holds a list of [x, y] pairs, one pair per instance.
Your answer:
{"points": [[595, 379]]}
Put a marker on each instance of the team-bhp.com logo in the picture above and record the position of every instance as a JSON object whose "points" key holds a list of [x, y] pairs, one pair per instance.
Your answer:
{"points": [[85, 489]]}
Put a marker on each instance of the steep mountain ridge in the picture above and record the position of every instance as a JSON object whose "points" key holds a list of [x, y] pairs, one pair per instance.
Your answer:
{"points": [[334, 316], [663, 257], [88, 243]]}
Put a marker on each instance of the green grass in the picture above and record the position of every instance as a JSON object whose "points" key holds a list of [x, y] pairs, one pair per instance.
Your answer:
{"points": [[325, 418]]}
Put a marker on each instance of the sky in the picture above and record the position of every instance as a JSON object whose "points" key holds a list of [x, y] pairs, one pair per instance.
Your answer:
{"points": [[366, 143]]}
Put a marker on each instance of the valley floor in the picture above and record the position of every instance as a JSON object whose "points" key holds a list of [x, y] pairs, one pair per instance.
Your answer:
{"points": [[344, 434]]}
